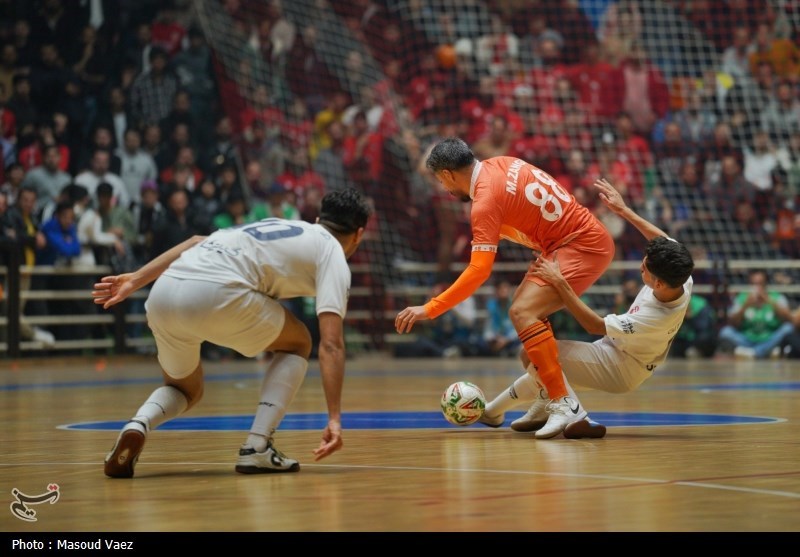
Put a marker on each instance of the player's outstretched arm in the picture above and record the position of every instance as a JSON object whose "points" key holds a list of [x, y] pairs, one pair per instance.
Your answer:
{"points": [[112, 290], [613, 200], [331, 364]]}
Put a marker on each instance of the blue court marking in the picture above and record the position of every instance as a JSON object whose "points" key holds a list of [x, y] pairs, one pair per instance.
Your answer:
{"points": [[422, 420], [473, 376]]}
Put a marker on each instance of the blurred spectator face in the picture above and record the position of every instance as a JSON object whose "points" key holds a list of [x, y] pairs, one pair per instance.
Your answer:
{"points": [[549, 52], [49, 55], [730, 168], [88, 34], [3, 203], [149, 197], [181, 176], [9, 56], [689, 174], [227, 177], [117, 99], [624, 125], [761, 142], [60, 123], [143, 34], [252, 172], [100, 163], [575, 162], [103, 138], [132, 140], [66, 218], [224, 128], [499, 129], [236, 207], [22, 30], [15, 175], [722, 133], [360, 125], [764, 74], [22, 88], [672, 133], [180, 135], [159, 63], [185, 156], [336, 132], [178, 201], [741, 38], [208, 189], [52, 158], [152, 136], [26, 201], [182, 102], [503, 290], [104, 201], [785, 93]]}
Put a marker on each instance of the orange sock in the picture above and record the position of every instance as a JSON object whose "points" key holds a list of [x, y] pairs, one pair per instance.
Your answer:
{"points": [[540, 346]]}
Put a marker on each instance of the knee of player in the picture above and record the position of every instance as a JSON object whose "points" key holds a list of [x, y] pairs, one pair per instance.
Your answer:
{"points": [[522, 315]]}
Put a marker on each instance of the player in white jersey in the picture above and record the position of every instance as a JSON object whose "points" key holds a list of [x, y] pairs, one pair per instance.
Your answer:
{"points": [[225, 289], [634, 343]]}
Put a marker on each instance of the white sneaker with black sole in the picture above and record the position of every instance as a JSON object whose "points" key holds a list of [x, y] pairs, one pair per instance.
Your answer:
{"points": [[271, 461], [562, 412], [535, 417]]}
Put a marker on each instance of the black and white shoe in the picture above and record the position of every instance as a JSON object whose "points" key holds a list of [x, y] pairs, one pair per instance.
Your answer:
{"points": [[271, 461]]}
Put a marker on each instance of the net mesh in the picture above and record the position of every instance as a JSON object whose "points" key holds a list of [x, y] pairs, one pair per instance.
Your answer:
{"points": [[690, 107]]}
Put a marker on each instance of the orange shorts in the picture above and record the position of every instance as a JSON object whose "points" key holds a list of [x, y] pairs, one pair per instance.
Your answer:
{"points": [[582, 260]]}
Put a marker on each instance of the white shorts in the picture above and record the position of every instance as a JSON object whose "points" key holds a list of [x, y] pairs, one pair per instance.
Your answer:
{"points": [[183, 313], [599, 366]]}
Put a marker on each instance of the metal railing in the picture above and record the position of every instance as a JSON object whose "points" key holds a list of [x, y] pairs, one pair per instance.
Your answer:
{"points": [[371, 327]]}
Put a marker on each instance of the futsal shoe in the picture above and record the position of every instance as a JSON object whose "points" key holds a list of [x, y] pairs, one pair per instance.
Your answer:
{"points": [[120, 461], [585, 429], [489, 421], [271, 461], [535, 417], [562, 412]]}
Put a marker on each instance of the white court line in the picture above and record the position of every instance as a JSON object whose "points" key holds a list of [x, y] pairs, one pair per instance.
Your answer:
{"points": [[703, 485]]}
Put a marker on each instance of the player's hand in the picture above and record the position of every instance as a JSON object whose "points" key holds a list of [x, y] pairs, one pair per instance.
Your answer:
{"points": [[548, 271], [610, 196], [112, 290], [331, 440], [405, 319]]}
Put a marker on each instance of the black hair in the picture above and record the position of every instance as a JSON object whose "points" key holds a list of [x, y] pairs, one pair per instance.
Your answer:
{"points": [[450, 154], [104, 188], [62, 206], [344, 211], [75, 192], [669, 261]]}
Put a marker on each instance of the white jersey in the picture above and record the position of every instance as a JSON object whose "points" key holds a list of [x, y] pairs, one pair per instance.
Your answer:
{"points": [[645, 333], [279, 258]]}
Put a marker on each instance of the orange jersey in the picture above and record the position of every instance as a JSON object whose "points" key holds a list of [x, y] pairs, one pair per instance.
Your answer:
{"points": [[516, 201]]}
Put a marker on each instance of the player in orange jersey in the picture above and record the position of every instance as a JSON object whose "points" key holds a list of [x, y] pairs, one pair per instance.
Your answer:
{"points": [[516, 201]]}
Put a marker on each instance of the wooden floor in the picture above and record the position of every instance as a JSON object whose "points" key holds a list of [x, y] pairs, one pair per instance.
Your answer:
{"points": [[704, 446]]}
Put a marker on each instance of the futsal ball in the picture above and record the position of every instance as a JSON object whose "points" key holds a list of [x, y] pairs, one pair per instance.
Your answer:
{"points": [[463, 403]]}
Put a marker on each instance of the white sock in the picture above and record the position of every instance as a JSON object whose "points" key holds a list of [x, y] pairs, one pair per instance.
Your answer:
{"points": [[164, 404], [282, 379], [524, 389]]}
